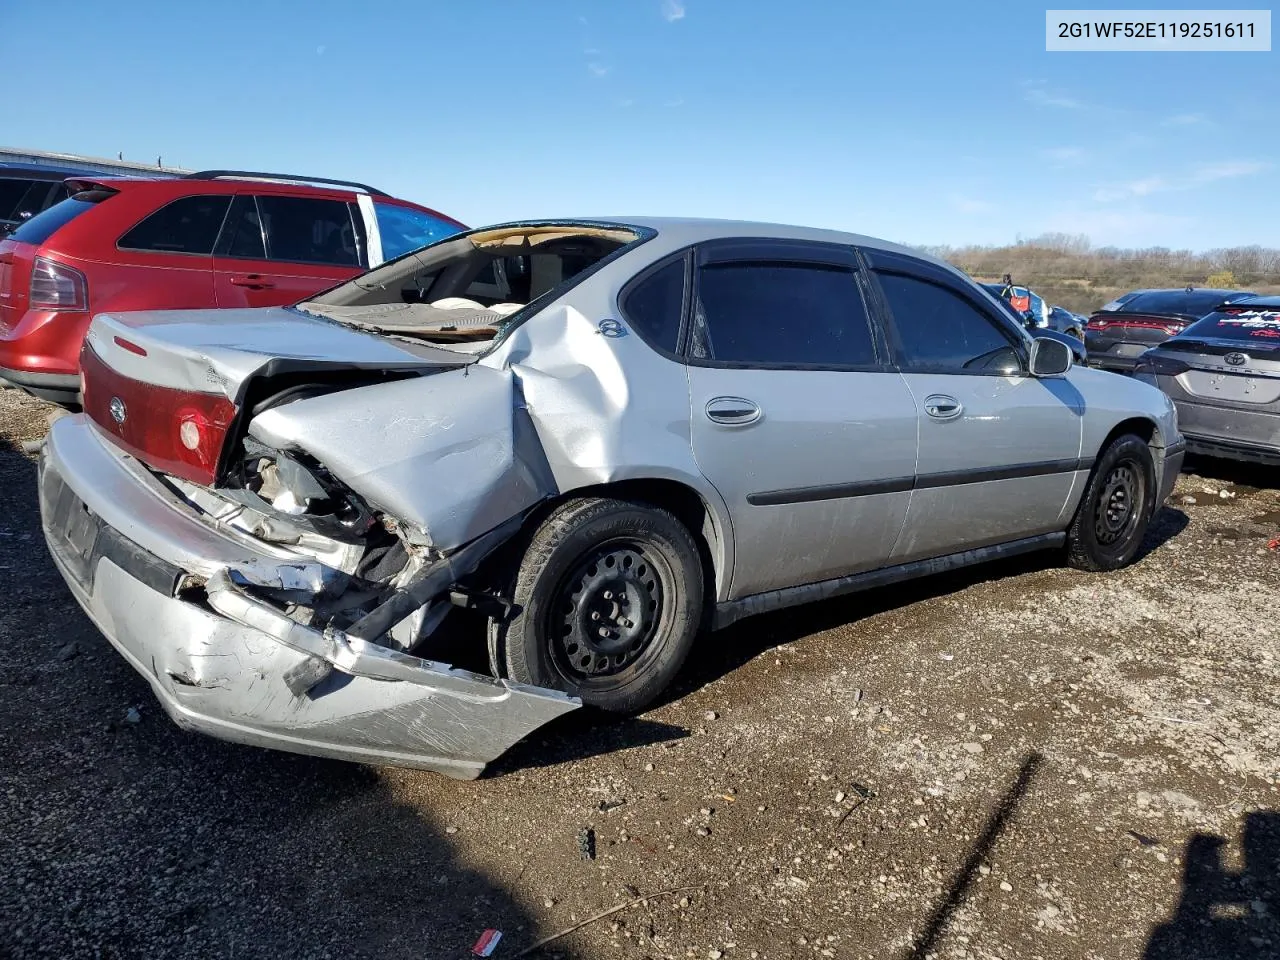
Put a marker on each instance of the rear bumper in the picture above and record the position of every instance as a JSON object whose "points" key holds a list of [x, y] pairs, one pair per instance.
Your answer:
{"points": [[1233, 450], [1232, 432], [63, 388], [236, 667]]}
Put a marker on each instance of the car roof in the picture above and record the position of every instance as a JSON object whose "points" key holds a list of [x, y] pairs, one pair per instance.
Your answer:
{"points": [[1268, 301], [683, 231]]}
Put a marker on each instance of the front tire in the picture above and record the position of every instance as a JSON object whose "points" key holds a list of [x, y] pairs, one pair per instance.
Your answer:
{"points": [[1113, 515], [608, 600]]}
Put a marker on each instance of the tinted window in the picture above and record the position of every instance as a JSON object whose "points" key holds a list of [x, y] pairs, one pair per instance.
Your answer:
{"points": [[1260, 323], [1194, 304], [309, 230], [44, 225], [242, 236], [188, 225], [782, 313], [940, 330], [11, 192], [653, 306], [404, 229]]}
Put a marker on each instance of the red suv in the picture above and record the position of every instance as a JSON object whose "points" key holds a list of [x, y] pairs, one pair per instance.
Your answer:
{"points": [[220, 238]]}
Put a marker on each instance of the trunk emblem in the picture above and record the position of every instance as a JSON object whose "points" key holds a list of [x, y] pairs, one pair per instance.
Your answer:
{"points": [[118, 411], [1237, 359]]}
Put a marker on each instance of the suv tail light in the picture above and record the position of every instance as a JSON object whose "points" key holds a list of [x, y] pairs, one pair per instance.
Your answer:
{"points": [[56, 286], [180, 432]]}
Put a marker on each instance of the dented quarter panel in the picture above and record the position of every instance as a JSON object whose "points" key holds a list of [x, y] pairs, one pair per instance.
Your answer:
{"points": [[438, 452]]}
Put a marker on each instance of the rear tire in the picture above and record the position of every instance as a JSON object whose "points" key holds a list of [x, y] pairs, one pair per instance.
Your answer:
{"points": [[1112, 519], [608, 599]]}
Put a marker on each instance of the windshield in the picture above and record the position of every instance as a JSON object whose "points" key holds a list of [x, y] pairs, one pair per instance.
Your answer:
{"points": [[473, 287]]}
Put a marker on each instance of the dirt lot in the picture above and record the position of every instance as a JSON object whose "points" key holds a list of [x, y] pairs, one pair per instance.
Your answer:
{"points": [[1021, 761]]}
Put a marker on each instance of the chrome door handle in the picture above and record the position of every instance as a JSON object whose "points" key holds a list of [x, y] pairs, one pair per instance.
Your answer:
{"points": [[942, 407], [732, 411]]}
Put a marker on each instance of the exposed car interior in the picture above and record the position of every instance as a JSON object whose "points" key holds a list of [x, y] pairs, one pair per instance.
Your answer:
{"points": [[463, 290]]}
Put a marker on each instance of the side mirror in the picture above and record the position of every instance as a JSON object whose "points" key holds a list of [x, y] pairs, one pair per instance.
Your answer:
{"points": [[1049, 357]]}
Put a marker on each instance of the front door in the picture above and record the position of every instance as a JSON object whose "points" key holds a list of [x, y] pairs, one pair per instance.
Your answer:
{"points": [[999, 449], [280, 249], [796, 419]]}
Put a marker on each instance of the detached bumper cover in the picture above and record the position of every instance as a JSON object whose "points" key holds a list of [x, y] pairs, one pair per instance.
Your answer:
{"points": [[239, 668]]}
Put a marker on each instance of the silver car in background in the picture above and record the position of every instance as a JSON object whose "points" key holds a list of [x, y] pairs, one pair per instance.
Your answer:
{"points": [[1223, 374], [608, 437]]}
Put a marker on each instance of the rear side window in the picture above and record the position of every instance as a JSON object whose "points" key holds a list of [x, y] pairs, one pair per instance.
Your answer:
{"points": [[44, 225], [404, 229], [242, 236], [781, 314], [309, 230], [187, 225], [654, 305], [936, 329]]}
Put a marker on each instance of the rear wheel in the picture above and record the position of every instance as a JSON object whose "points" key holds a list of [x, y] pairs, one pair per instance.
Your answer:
{"points": [[608, 599], [1113, 516]]}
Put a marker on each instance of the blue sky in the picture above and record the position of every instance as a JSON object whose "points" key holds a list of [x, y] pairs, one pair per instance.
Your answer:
{"points": [[935, 122]]}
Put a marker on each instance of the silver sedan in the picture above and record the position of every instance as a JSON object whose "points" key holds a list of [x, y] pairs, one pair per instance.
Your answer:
{"points": [[609, 437]]}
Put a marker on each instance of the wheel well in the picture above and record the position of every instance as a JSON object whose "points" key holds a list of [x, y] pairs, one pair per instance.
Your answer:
{"points": [[1139, 426], [683, 501]]}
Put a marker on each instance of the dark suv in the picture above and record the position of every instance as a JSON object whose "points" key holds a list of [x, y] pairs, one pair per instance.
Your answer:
{"points": [[220, 238]]}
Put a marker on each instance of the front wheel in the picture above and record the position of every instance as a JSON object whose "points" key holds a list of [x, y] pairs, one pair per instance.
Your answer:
{"points": [[608, 600], [1113, 515]]}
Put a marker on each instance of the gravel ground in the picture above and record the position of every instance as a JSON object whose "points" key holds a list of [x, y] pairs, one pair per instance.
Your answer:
{"points": [[1019, 761]]}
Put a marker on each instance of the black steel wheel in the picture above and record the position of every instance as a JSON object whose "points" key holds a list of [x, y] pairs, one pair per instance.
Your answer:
{"points": [[608, 599], [1112, 518]]}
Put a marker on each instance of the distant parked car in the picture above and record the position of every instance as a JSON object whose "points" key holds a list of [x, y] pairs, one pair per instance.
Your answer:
{"points": [[1031, 306], [1064, 321], [1116, 338], [219, 238], [27, 189], [605, 435], [1223, 375]]}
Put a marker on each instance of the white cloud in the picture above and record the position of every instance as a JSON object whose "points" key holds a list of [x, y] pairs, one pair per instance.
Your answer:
{"points": [[672, 10], [1185, 120], [969, 205], [1203, 174], [597, 69], [1038, 96], [1064, 156]]}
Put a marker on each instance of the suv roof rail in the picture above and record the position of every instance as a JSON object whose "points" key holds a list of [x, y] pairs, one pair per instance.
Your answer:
{"points": [[281, 177]]}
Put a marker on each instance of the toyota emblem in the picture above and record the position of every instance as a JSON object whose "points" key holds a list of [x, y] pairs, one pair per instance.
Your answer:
{"points": [[118, 412], [1237, 359]]}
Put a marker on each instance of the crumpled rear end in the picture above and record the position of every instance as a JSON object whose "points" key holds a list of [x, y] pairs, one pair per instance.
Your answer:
{"points": [[190, 604]]}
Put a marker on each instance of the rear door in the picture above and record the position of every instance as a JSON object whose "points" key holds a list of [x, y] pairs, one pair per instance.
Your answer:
{"points": [[796, 417], [164, 259], [278, 249], [999, 449]]}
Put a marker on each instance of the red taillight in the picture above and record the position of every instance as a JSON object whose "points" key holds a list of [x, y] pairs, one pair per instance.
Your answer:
{"points": [[1097, 323], [180, 432], [55, 286]]}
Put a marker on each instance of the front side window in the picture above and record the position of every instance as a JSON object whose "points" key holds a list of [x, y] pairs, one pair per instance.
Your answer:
{"points": [[937, 330], [187, 225], [778, 313], [404, 229], [308, 230], [654, 305]]}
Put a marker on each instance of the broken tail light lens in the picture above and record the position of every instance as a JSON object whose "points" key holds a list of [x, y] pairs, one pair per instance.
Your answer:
{"points": [[180, 432], [55, 286]]}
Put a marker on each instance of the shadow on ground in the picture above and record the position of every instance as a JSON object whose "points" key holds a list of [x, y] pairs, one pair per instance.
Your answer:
{"points": [[1226, 914]]}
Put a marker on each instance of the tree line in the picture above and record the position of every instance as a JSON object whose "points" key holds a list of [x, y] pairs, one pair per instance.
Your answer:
{"points": [[1067, 270]]}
